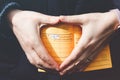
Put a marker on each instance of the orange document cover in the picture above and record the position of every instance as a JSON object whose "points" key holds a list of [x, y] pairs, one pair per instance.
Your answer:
{"points": [[60, 40]]}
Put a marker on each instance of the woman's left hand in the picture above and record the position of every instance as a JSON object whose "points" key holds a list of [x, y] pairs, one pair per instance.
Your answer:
{"points": [[96, 30]]}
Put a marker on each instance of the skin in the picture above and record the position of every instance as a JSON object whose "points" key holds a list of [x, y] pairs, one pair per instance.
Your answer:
{"points": [[24, 25], [96, 31]]}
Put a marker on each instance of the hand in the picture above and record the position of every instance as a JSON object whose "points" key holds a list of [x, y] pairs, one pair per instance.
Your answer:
{"points": [[96, 30], [25, 27]]}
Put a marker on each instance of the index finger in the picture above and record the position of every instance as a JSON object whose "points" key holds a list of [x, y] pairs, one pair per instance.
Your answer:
{"points": [[76, 53]]}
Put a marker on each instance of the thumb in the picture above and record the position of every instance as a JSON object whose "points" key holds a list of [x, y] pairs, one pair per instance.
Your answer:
{"points": [[46, 19], [78, 19]]}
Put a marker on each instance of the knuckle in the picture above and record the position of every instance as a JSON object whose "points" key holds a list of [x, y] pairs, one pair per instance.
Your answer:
{"points": [[43, 58], [36, 45], [32, 62], [46, 60], [38, 62], [29, 42]]}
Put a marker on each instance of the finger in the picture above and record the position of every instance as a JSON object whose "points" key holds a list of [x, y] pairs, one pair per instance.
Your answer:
{"points": [[84, 60], [88, 52], [35, 60], [76, 53], [67, 70], [83, 66], [82, 50], [77, 63], [36, 43], [78, 19], [81, 63], [45, 19], [89, 56], [38, 62], [87, 61], [43, 54]]}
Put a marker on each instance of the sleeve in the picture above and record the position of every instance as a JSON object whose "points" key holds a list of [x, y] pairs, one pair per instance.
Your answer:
{"points": [[117, 3], [5, 7]]}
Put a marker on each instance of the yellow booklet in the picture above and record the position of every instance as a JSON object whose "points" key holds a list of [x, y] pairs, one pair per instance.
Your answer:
{"points": [[60, 40]]}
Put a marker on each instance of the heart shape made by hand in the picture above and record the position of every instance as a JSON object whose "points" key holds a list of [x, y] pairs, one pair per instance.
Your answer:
{"points": [[60, 39]]}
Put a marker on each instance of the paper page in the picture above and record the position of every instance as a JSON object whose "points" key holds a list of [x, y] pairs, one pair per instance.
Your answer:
{"points": [[60, 40]]}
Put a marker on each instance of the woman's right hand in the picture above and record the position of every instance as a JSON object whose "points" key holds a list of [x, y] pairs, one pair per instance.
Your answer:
{"points": [[24, 26]]}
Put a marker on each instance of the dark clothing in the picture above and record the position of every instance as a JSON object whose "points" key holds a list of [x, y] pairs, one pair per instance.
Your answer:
{"points": [[13, 62]]}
